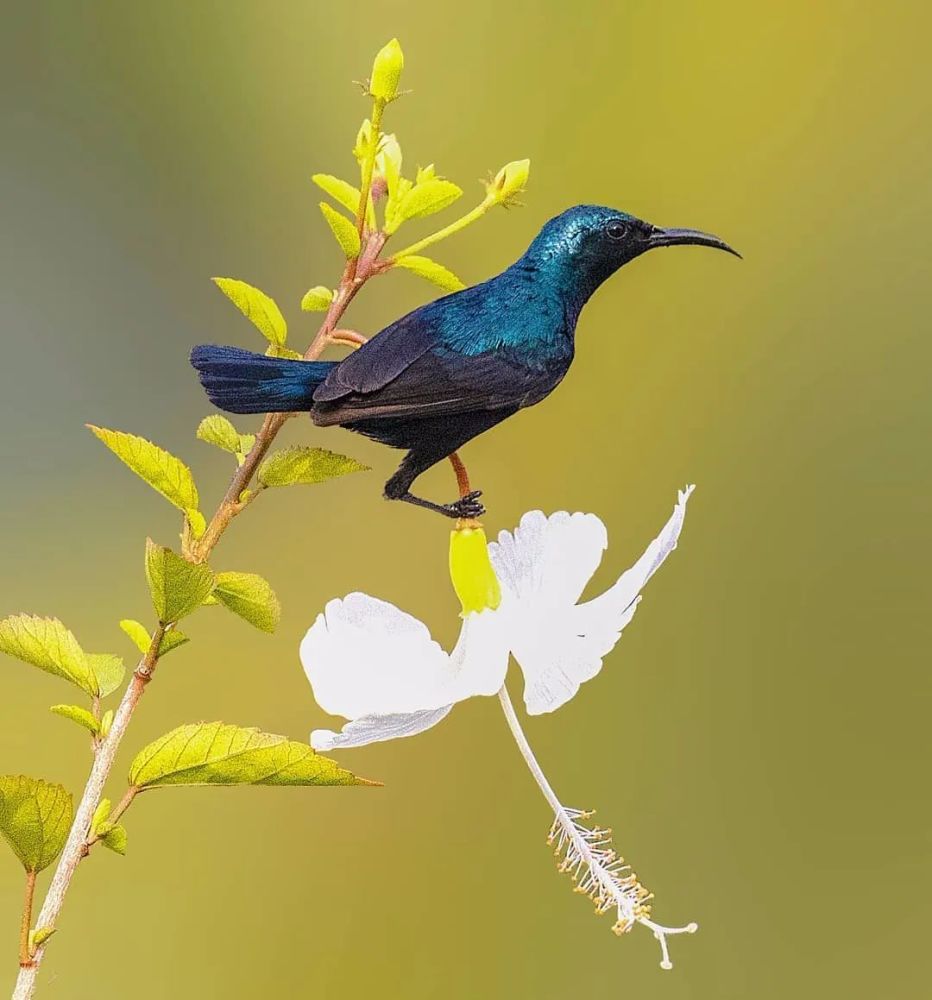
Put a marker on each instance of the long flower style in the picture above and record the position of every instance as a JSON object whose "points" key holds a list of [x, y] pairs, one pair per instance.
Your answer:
{"points": [[378, 666]]}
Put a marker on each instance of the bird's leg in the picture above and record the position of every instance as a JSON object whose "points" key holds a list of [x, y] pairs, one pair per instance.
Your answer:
{"points": [[416, 462], [462, 476]]}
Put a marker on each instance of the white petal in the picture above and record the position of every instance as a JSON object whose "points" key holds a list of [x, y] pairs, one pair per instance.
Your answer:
{"points": [[365, 657], [377, 728], [557, 643], [549, 559]]}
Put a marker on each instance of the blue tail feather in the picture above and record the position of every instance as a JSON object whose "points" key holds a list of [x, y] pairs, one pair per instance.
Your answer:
{"points": [[240, 381]]}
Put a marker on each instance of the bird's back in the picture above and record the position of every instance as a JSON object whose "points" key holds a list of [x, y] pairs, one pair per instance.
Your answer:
{"points": [[501, 344]]}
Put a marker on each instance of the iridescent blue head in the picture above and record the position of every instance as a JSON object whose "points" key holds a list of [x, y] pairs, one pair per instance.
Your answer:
{"points": [[586, 244]]}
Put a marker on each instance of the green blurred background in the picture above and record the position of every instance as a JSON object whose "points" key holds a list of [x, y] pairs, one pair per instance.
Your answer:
{"points": [[758, 741]]}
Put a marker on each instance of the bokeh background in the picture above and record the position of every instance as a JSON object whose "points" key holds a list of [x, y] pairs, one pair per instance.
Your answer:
{"points": [[759, 739]]}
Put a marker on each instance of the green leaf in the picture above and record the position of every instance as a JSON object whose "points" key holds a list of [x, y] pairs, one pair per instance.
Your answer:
{"points": [[430, 196], [261, 310], [101, 815], [317, 299], [172, 640], [283, 352], [106, 722], [115, 839], [214, 753], [109, 671], [342, 192], [432, 271], [219, 432], [79, 715], [160, 469], [138, 633], [177, 586], [297, 466], [386, 71], [35, 817], [249, 596], [48, 645], [343, 230]]}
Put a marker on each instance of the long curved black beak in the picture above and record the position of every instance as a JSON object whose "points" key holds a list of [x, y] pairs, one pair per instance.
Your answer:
{"points": [[686, 237]]}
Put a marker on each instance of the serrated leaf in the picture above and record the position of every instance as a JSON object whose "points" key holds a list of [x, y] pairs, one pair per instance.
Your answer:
{"points": [[305, 466], [115, 839], [109, 671], [251, 597], [317, 299], [219, 432], [344, 231], [35, 817], [342, 192], [424, 267], [215, 753], [172, 640], [79, 715], [48, 645], [430, 196], [165, 473], [177, 586], [138, 633], [260, 309]]}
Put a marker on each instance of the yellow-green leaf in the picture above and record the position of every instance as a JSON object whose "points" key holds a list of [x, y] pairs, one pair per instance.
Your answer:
{"points": [[317, 299], [430, 196], [48, 645], [79, 715], [109, 671], [342, 192], [115, 839], [215, 753], [165, 473], [138, 633], [424, 267], [35, 817], [249, 596], [219, 432], [101, 815], [386, 71], [171, 641], [343, 230], [305, 466], [260, 309], [178, 587]]}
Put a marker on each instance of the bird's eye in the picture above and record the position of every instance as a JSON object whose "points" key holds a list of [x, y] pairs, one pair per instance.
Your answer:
{"points": [[616, 230]]}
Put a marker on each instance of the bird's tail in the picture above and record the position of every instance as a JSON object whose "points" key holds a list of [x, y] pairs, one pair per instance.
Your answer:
{"points": [[240, 381]]}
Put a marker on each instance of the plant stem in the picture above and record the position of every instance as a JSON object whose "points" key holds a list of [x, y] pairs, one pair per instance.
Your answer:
{"points": [[24, 957], [76, 845], [442, 234]]}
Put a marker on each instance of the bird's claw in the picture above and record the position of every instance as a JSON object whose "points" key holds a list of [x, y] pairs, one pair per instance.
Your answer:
{"points": [[467, 506]]}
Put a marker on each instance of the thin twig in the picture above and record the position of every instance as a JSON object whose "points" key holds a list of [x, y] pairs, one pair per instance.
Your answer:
{"points": [[25, 959]]}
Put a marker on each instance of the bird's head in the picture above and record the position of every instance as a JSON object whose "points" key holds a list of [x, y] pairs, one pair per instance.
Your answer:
{"points": [[588, 243]]}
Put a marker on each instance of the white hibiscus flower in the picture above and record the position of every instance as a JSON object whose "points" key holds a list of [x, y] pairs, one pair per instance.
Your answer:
{"points": [[378, 666]]}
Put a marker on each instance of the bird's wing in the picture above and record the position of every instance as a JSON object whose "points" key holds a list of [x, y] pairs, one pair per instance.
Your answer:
{"points": [[382, 359], [442, 384]]}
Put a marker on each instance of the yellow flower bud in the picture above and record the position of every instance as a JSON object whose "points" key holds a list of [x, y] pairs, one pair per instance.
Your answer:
{"points": [[510, 181], [471, 570], [386, 72]]}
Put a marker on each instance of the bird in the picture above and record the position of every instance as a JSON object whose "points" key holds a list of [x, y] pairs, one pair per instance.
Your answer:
{"points": [[454, 368]]}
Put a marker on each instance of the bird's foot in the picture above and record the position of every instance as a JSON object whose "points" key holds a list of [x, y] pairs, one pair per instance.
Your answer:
{"points": [[467, 507]]}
